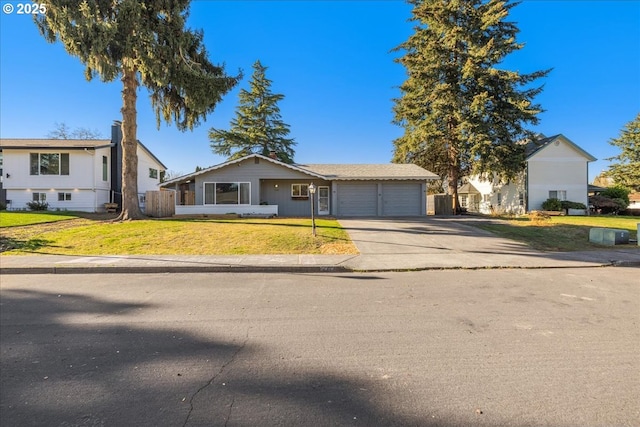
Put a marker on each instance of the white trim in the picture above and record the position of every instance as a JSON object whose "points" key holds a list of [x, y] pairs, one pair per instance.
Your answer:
{"points": [[320, 188]]}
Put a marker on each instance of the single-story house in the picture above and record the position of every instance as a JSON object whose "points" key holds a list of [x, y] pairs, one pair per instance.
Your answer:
{"points": [[257, 184], [72, 174], [555, 167]]}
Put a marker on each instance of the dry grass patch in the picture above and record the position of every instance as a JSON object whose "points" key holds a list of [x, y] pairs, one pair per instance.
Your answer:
{"points": [[561, 233], [183, 237]]}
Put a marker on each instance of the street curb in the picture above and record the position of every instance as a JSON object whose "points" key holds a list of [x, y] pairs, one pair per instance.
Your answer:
{"points": [[277, 269], [174, 269]]}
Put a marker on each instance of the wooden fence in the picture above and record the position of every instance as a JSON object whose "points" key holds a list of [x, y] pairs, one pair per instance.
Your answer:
{"points": [[439, 204], [160, 204]]}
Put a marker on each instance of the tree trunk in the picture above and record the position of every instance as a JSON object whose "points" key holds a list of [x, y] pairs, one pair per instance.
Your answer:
{"points": [[130, 205]]}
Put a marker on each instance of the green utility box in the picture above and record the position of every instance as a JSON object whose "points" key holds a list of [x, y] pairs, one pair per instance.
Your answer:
{"points": [[608, 236]]}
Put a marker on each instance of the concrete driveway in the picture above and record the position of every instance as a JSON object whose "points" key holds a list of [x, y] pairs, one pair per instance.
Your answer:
{"points": [[431, 241]]}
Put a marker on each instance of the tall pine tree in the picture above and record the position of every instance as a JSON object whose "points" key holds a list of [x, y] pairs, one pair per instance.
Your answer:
{"points": [[143, 44], [462, 114], [625, 170], [258, 126]]}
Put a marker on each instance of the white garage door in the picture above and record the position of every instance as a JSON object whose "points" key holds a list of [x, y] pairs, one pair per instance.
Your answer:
{"points": [[401, 199], [358, 199]]}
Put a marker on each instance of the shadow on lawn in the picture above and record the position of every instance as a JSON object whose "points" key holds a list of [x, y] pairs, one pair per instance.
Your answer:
{"points": [[31, 245]]}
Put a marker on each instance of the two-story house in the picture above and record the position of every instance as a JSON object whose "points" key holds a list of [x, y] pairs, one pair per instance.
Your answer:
{"points": [[72, 174], [555, 167]]}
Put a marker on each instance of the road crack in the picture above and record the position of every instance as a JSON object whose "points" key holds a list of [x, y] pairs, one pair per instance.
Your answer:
{"points": [[220, 371]]}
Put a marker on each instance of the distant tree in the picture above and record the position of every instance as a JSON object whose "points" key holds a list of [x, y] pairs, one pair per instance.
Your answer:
{"points": [[199, 168], [62, 131], [142, 44], [602, 180], [626, 170], [460, 112], [258, 126]]}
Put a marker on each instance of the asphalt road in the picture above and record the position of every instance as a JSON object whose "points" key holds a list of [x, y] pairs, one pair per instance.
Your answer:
{"points": [[557, 347]]}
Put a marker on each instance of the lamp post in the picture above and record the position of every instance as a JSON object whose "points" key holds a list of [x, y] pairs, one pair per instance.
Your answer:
{"points": [[312, 192]]}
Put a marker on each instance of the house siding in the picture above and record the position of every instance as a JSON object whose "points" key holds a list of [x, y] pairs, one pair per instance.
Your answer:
{"points": [[557, 167], [281, 196], [84, 182], [249, 171]]}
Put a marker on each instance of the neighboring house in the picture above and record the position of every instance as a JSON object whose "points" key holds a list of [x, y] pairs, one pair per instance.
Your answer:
{"points": [[555, 168], [257, 184], [634, 201], [71, 174]]}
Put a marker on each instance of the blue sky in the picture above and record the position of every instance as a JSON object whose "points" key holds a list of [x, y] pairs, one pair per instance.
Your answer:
{"points": [[333, 62]]}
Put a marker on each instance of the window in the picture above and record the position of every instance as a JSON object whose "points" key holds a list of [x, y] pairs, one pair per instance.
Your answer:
{"points": [[558, 194], [153, 173], [300, 190], [521, 198], [486, 198], [499, 199], [49, 163], [227, 193], [105, 168], [64, 197], [39, 197], [463, 201]]}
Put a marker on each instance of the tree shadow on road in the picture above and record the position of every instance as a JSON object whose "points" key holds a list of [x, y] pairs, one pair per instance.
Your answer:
{"points": [[76, 359]]}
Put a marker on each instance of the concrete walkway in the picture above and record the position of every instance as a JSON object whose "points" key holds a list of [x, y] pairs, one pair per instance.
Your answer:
{"points": [[384, 244]]}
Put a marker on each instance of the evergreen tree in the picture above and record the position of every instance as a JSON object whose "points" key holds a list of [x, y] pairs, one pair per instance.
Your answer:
{"points": [[143, 44], [462, 114], [258, 126], [626, 171]]}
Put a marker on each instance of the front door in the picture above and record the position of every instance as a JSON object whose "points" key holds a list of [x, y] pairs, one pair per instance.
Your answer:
{"points": [[323, 200]]}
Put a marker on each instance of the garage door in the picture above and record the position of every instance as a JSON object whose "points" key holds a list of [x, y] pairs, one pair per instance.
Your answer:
{"points": [[358, 199], [401, 199]]}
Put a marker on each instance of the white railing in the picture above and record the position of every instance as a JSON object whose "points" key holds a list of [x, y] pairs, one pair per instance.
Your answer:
{"points": [[227, 209]]}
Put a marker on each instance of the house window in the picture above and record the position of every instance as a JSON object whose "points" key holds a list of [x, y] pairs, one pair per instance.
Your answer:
{"points": [[521, 198], [49, 163], [227, 193], [105, 168], [64, 197], [558, 194], [463, 201], [499, 199], [153, 173], [486, 198], [300, 190], [39, 197]]}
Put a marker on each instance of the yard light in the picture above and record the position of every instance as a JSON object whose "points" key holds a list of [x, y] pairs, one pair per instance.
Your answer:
{"points": [[312, 191]]}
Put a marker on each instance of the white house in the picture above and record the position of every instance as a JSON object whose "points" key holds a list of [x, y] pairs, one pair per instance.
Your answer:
{"points": [[555, 168], [75, 175]]}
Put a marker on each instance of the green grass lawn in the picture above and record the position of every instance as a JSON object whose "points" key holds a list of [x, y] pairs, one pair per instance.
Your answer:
{"points": [[561, 233], [180, 237], [18, 219]]}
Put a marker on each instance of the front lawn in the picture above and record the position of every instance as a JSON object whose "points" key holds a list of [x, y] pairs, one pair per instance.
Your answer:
{"points": [[18, 219], [180, 237], [561, 233]]}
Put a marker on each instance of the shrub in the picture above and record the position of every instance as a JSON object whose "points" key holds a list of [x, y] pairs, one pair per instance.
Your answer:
{"points": [[566, 205], [617, 192], [606, 205], [552, 204], [38, 206]]}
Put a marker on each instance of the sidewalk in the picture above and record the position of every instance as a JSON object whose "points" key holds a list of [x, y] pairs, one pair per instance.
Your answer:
{"points": [[61, 264]]}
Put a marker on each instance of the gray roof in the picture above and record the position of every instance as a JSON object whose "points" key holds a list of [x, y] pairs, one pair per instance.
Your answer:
{"points": [[532, 147], [369, 171], [336, 172], [70, 144]]}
